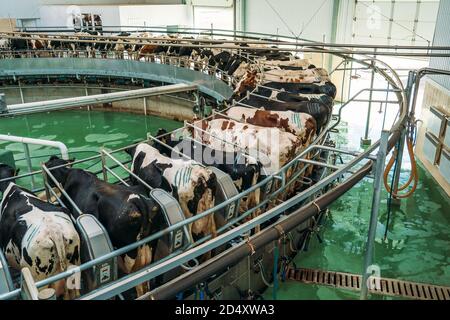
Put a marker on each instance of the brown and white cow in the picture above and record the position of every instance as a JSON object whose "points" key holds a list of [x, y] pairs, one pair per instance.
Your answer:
{"points": [[278, 146], [229, 135], [315, 75], [277, 64], [302, 125]]}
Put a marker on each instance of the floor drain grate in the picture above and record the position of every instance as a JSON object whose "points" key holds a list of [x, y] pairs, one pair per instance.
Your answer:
{"points": [[382, 286]]}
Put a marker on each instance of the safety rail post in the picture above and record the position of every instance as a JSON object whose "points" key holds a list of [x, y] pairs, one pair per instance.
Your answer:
{"points": [[377, 186], [365, 141], [61, 189], [46, 184], [26, 149], [28, 289]]}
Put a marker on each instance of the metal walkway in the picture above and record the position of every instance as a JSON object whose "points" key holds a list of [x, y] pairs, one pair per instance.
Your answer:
{"points": [[386, 286]]}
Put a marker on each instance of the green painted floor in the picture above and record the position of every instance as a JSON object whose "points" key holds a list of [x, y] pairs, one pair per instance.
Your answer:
{"points": [[416, 248], [83, 132]]}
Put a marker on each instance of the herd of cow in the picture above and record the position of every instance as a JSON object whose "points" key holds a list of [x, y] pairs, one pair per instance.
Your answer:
{"points": [[284, 103]]}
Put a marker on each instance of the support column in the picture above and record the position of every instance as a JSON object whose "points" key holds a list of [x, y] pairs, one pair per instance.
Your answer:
{"points": [[377, 187], [365, 141], [21, 92]]}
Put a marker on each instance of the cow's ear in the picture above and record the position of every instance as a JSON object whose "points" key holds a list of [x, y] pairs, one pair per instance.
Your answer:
{"points": [[17, 172], [131, 150], [161, 167]]}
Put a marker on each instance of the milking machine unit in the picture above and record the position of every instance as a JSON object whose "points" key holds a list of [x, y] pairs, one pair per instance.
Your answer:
{"points": [[95, 243]]}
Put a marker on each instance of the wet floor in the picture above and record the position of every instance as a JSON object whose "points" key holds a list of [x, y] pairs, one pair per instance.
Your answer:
{"points": [[83, 132], [416, 247]]}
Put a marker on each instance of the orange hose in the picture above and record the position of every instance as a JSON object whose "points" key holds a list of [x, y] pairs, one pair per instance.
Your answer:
{"points": [[414, 173]]}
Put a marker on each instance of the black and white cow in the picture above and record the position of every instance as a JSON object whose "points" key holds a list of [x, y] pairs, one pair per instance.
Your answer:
{"points": [[36, 234], [19, 45], [325, 87], [285, 96], [125, 214], [190, 183], [220, 59], [245, 171]]}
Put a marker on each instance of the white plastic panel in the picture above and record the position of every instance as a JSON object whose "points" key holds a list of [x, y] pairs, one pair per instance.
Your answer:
{"points": [[444, 166], [435, 121], [447, 134]]}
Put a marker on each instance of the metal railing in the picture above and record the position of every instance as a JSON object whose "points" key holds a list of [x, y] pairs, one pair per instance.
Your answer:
{"points": [[41, 142], [206, 244]]}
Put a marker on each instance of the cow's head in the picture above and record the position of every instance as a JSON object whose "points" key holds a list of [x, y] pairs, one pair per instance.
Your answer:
{"points": [[59, 168], [152, 174], [6, 172], [205, 53], [131, 150], [163, 136], [248, 82]]}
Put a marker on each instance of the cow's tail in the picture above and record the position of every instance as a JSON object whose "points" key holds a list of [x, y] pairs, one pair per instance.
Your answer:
{"points": [[58, 240]]}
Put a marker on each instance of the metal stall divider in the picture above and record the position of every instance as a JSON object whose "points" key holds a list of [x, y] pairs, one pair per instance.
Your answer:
{"points": [[6, 282], [226, 189], [177, 240], [262, 158], [95, 242]]}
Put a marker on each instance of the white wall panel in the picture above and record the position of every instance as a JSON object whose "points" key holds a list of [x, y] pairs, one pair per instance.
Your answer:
{"points": [[19, 9], [60, 16], [442, 38], [180, 15], [314, 17], [219, 17], [372, 21]]}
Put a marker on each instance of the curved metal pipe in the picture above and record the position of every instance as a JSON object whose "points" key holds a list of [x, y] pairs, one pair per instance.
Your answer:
{"points": [[233, 255], [55, 144], [308, 210]]}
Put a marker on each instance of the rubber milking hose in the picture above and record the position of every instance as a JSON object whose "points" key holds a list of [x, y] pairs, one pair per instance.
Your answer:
{"points": [[413, 177]]}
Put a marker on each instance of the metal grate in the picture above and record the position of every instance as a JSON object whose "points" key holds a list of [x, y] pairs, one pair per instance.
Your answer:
{"points": [[386, 286]]}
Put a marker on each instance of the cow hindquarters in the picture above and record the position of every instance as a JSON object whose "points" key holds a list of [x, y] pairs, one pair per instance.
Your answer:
{"points": [[129, 265]]}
